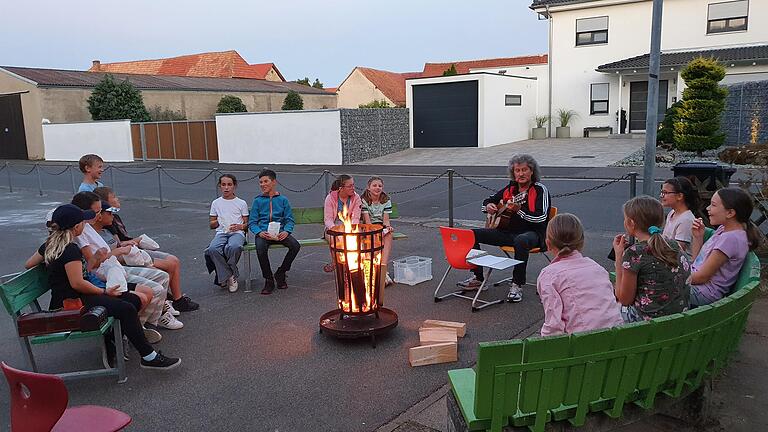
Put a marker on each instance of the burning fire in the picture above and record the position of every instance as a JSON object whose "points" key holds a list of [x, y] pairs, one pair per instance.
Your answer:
{"points": [[359, 293]]}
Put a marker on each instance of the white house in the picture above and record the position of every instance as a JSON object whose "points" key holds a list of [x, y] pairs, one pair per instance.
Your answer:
{"points": [[598, 52]]}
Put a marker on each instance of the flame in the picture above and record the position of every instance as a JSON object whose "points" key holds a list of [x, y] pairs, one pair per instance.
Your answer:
{"points": [[369, 268]]}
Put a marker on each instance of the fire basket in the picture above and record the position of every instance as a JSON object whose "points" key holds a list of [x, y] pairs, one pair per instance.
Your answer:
{"points": [[356, 251]]}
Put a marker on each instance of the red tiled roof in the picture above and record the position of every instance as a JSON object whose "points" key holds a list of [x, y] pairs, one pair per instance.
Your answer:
{"points": [[392, 84], [463, 67], [331, 89], [226, 64]]}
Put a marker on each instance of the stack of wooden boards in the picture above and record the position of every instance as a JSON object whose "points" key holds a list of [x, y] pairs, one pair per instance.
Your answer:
{"points": [[438, 343]]}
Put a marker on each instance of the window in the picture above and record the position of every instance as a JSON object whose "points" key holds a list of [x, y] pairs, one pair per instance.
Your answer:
{"points": [[727, 16], [513, 100], [598, 98], [592, 31]]}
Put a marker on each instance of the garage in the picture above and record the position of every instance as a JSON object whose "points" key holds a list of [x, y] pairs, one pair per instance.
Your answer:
{"points": [[471, 110], [445, 115]]}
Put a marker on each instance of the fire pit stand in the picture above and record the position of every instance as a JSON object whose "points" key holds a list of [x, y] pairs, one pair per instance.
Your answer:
{"points": [[356, 251]]}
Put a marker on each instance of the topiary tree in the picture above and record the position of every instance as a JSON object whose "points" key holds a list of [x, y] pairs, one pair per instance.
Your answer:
{"points": [[230, 104], [376, 104], [293, 102], [697, 127], [303, 81], [666, 133], [451, 70], [317, 84], [112, 100]]}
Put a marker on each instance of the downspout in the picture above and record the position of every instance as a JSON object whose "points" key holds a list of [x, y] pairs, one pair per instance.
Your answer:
{"points": [[549, 72]]}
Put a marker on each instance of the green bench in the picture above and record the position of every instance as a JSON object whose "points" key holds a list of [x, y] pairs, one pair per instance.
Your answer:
{"points": [[530, 382], [20, 292], [303, 216]]}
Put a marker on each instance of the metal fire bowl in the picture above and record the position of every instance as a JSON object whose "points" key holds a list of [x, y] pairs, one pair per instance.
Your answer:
{"points": [[353, 327]]}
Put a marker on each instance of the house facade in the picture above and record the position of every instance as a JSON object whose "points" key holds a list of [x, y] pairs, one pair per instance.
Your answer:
{"points": [[598, 53]]}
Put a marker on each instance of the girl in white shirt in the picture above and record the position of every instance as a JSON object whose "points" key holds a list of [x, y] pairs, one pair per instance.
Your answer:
{"points": [[679, 195]]}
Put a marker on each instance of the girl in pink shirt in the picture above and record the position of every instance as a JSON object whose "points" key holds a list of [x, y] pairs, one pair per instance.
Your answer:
{"points": [[575, 291]]}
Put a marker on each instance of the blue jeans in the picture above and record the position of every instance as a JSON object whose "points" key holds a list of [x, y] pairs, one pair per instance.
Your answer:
{"points": [[224, 251], [698, 299]]}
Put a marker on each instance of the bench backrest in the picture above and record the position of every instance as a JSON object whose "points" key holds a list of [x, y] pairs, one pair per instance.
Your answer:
{"points": [[314, 215], [23, 289], [537, 380]]}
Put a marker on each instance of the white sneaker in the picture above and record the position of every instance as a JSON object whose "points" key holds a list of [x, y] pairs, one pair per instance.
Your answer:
{"points": [[169, 308], [167, 320], [515, 293], [232, 284], [153, 336], [388, 281]]}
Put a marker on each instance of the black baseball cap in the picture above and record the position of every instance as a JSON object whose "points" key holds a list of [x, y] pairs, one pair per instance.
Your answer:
{"points": [[69, 215]]}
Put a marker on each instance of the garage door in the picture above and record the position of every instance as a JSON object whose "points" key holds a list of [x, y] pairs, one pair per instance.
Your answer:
{"points": [[445, 115]]}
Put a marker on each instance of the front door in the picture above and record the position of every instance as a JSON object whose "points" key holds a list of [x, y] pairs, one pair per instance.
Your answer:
{"points": [[638, 103], [13, 141]]}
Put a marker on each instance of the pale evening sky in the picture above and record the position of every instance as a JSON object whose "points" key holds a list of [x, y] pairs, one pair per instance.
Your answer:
{"points": [[323, 39]]}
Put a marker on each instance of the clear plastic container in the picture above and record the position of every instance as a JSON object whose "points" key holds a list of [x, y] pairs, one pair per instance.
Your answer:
{"points": [[412, 270]]}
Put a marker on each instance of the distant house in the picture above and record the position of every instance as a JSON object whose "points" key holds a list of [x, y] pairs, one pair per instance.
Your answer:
{"points": [[29, 95], [225, 64]]}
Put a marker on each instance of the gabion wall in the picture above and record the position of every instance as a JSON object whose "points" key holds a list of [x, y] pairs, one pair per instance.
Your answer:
{"points": [[368, 133], [746, 108]]}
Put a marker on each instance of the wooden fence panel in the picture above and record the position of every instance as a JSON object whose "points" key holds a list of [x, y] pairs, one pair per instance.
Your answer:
{"points": [[136, 141], [182, 140], [197, 140], [152, 140], [213, 144]]}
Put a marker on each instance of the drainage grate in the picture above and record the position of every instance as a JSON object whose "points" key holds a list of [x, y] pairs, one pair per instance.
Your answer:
{"points": [[583, 157]]}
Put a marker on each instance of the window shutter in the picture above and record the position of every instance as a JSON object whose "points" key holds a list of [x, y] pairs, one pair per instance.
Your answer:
{"points": [[719, 11]]}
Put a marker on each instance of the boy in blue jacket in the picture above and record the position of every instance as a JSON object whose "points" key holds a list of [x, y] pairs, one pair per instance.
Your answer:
{"points": [[268, 207]]}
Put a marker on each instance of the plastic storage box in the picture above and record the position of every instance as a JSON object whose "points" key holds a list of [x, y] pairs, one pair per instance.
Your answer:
{"points": [[412, 270]]}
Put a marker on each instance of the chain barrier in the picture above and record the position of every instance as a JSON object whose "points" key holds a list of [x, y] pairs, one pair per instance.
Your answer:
{"points": [[183, 182], [306, 189], [2, 167], [132, 172], [562, 195], [410, 189], [55, 174], [469, 180], [23, 173]]}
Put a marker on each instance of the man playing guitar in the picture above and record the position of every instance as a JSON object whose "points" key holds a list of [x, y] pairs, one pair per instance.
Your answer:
{"points": [[525, 202]]}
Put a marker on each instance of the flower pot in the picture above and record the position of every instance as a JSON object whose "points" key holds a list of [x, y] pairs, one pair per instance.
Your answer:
{"points": [[563, 132], [539, 133]]}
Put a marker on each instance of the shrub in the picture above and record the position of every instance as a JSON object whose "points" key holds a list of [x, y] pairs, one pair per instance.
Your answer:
{"points": [[165, 114], [450, 71], [111, 100], [541, 120], [697, 127], [666, 133], [376, 104], [565, 116], [230, 104], [317, 84], [293, 102]]}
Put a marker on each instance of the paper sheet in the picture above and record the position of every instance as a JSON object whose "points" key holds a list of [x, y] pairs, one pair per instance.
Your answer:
{"points": [[494, 262]]}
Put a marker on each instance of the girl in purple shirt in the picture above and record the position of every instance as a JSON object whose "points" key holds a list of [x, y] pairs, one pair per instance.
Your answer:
{"points": [[575, 291], [716, 263]]}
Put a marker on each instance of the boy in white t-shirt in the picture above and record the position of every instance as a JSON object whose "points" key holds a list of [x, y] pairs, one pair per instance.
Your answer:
{"points": [[229, 217]]}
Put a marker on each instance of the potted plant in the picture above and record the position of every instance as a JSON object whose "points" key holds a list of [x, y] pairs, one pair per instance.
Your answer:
{"points": [[539, 132], [565, 116]]}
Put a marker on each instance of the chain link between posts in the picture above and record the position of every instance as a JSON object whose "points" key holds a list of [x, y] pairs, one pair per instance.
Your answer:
{"points": [[185, 182], [562, 195], [306, 189]]}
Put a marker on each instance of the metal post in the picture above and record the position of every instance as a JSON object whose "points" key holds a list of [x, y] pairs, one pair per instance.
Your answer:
{"points": [[112, 176], [39, 181], [652, 112], [72, 179], [215, 184], [632, 184], [160, 185], [450, 197], [8, 170]]}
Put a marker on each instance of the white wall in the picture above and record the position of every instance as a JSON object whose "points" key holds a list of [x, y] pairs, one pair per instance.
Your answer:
{"points": [[684, 26], [69, 141], [504, 124], [280, 137], [538, 71]]}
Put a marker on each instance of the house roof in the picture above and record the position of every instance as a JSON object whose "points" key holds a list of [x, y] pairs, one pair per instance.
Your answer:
{"points": [[681, 58], [392, 84], [541, 3], [84, 79], [225, 64], [462, 67], [331, 89]]}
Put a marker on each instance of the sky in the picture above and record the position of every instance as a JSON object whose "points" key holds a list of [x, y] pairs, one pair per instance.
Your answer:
{"points": [[320, 39]]}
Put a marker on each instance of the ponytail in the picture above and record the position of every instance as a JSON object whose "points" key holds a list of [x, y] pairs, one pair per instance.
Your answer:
{"points": [[565, 233], [754, 236], [339, 181], [648, 215], [660, 248], [56, 243]]}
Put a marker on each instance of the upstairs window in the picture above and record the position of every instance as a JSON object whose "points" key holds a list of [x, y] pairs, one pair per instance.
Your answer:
{"points": [[598, 98], [592, 31], [727, 16]]}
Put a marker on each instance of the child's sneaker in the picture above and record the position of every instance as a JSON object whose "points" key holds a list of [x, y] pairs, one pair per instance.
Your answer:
{"points": [[515, 293], [185, 304], [470, 284], [153, 336], [169, 308], [167, 320], [232, 284], [161, 362]]}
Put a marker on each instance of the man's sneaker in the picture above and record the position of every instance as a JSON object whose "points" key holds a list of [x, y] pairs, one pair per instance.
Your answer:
{"points": [[232, 284], [167, 320], [470, 284], [161, 362], [168, 307], [388, 281], [515, 293], [280, 280], [153, 336], [185, 304], [269, 286]]}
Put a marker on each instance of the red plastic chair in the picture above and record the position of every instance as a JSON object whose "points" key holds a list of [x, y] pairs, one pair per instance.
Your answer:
{"points": [[39, 404], [457, 242]]}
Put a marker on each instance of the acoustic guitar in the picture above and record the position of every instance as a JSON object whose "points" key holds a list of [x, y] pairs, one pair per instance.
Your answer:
{"points": [[501, 219]]}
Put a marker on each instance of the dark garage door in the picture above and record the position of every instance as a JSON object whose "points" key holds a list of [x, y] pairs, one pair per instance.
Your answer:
{"points": [[13, 142], [445, 115]]}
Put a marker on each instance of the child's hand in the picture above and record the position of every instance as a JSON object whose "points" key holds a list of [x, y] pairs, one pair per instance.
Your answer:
{"points": [[113, 291], [697, 229], [282, 236], [619, 243], [122, 250]]}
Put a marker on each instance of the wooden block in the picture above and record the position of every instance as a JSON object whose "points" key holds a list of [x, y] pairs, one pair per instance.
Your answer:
{"points": [[433, 335], [461, 328], [433, 354]]}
